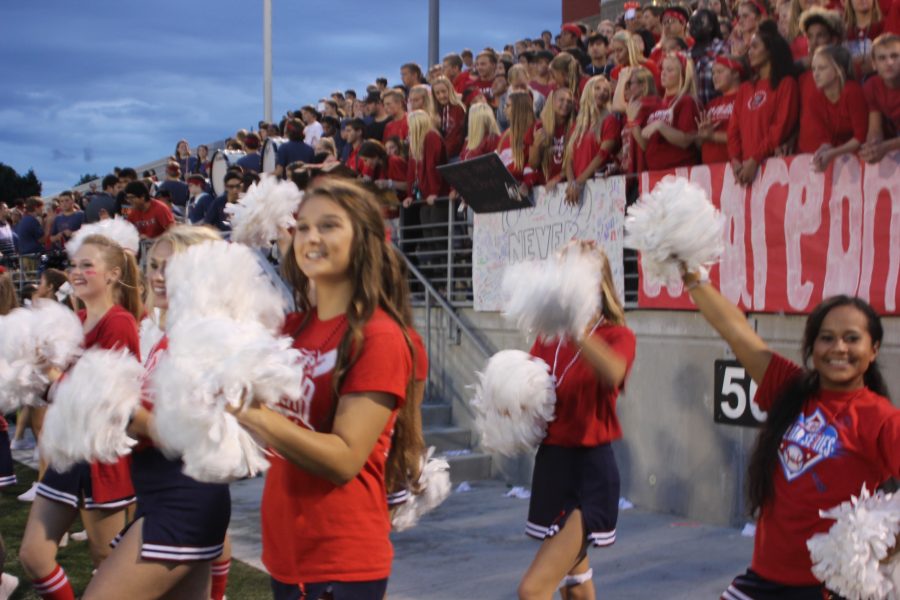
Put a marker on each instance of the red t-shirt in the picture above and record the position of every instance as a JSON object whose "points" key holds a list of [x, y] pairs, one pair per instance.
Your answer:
{"points": [[719, 111], [398, 128], [421, 367], [557, 148], [543, 89], [632, 157], [488, 144], [154, 221], [485, 86], [353, 161], [423, 173], [839, 442], [800, 47], [883, 99], [585, 406], [762, 119], [461, 81], [824, 122], [115, 330], [681, 115], [648, 64], [312, 529], [588, 147]]}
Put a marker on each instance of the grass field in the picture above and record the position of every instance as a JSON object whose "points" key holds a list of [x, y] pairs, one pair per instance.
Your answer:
{"points": [[244, 582]]}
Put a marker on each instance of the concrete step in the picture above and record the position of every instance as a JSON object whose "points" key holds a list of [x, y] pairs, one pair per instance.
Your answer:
{"points": [[447, 438], [435, 415], [472, 466]]}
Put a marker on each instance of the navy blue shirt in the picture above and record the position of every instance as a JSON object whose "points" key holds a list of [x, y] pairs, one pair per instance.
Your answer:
{"points": [[98, 202], [290, 152], [178, 189], [216, 215], [251, 162], [198, 206], [30, 235], [71, 222]]}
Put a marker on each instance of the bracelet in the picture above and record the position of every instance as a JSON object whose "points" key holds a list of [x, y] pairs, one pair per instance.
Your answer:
{"points": [[690, 286]]}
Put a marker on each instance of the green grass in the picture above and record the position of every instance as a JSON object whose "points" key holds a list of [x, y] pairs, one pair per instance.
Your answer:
{"points": [[244, 581]]}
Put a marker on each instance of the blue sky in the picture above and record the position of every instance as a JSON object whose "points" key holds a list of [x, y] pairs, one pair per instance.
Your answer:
{"points": [[90, 85]]}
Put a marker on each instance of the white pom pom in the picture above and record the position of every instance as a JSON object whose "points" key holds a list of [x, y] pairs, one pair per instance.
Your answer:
{"points": [[555, 297], [436, 487], [45, 334], [118, 230], [149, 334], [91, 407], [850, 558], [514, 400], [674, 223], [213, 363], [194, 286], [267, 206]]}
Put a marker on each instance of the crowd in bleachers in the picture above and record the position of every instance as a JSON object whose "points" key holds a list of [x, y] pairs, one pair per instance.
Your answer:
{"points": [[656, 88]]}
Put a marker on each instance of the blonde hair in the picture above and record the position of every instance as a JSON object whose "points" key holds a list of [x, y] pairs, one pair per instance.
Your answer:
{"points": [[8, 299], [482, 123], [565, 63], [831, 53], [428, 101], [327, 145], [453, 97], [647, 79], [420, 123], [850, 14], [517, 72], [126, 290], [550, 121], [590, 116], [688, 86], [521, 118], [624, 38], [180, 237]]}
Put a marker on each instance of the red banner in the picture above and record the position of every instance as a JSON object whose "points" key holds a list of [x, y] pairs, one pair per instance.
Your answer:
{"points": [[797, 236]]}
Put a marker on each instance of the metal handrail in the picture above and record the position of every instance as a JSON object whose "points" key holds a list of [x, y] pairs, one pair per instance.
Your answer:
{"points": [[432, 293]]}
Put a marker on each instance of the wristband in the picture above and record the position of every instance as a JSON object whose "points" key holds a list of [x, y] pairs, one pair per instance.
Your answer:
{"points": [[702, 279]]}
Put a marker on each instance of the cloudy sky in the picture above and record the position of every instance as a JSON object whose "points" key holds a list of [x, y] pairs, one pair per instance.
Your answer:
{"points": [[90, 85]]}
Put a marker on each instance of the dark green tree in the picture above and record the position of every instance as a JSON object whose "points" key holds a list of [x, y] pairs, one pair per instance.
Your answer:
{"points": [[13, 185], [87, 178]]}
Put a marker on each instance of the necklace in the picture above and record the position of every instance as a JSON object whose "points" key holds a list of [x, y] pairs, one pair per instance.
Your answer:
{"points": [[558, 382], [340, 321]]}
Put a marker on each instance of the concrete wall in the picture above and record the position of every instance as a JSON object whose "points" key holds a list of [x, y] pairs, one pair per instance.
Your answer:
{"points": [[673, 457]]}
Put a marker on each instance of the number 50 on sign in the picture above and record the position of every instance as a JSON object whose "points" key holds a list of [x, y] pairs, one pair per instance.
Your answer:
{"points": [[734, 397]]}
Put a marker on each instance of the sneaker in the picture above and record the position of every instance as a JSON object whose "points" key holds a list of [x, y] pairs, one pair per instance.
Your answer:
{"points": [[30, 495], [79, 536], [23, 444], [8, 584]]}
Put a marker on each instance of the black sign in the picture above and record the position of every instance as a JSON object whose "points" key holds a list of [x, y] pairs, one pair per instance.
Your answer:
{"points": [[734, 397], [485, 184]]}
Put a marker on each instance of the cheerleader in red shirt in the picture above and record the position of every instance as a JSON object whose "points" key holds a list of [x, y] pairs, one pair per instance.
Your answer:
{"points": [[712, 128], [180, 524], [105, 278], [575, 486], [549, 136], [830, 429], [835, 119], [452, 114], [594, 138], [513, 145], [667, 135], [766, 107], [324, 512]]}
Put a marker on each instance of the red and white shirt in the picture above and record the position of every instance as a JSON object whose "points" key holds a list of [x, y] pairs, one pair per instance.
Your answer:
{"points": [[682, 115], [588, 146], [312, 529], [840, 441], [719, 111]]}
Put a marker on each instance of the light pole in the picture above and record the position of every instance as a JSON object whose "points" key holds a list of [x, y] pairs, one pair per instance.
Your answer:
{"points": [[267, 60], [434, 11]]}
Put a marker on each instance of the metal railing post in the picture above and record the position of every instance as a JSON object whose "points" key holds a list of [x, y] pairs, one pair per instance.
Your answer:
{"points": [[449, 248]]}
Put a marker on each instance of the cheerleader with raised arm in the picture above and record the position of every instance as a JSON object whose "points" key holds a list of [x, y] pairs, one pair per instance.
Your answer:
{"points": [[174, 547], [575, 486], [105, 278], [325, 521]]}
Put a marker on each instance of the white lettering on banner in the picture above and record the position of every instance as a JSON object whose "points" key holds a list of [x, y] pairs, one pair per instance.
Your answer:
{"points": [[501, 239], [733, 266], [802, 216], [774, 173], [842, 265], [878, 178]]}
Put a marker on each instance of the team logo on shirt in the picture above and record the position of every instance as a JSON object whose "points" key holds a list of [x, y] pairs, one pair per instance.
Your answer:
{"points": [[315, 365], [808, 441], [756, 100]]}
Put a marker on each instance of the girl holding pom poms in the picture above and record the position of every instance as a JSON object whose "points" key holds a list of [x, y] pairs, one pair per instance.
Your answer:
{"points": [[325, 522], [178, 534], [105, 278], [830, 429], [575, 486]]}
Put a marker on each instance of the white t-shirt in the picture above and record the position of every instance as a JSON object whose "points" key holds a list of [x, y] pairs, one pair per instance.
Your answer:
{"points": [[312, 133]]}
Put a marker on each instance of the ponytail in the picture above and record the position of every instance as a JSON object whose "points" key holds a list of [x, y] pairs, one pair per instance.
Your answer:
{"points": [[127, 289]]}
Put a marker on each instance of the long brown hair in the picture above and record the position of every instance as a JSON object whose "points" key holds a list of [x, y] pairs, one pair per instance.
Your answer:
{"points": [[8, 300], [375, 271], [521, 118], [127, 290]]}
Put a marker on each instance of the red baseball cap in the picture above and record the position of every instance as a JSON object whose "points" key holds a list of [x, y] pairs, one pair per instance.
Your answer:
{"points": [[571, 28]]}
